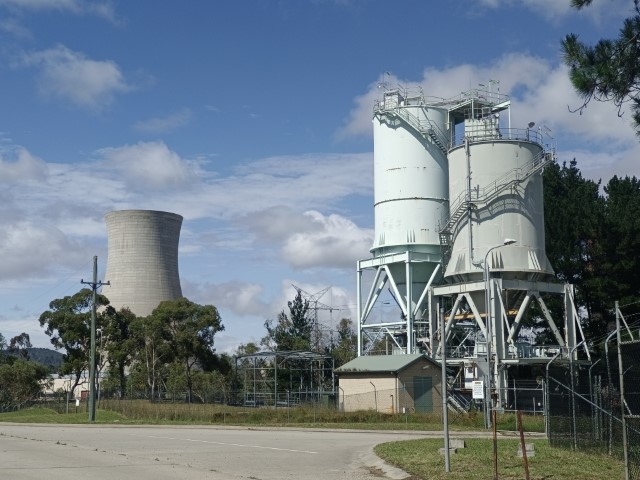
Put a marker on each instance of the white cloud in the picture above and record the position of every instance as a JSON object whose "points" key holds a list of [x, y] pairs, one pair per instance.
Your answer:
{"points": [[556, 9], [275, 224], [310, 239], [27, 249], [15, 28], [604, 165], [103, 9], [166, 123], [150, 164], [24, 168], [333, 241], [241, 298], [72, 76]]}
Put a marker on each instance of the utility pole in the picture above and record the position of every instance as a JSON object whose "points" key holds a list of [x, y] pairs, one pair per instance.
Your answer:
{"points": [[92, 359]]}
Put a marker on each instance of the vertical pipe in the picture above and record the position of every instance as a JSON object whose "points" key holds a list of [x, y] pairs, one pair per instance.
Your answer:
{"points": [[443, 388], [467, 150], [359, 307], [495, 447], [409, 280]]}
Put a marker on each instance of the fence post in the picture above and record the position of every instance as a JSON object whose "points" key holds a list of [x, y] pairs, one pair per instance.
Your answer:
{"points": [[621, 374], [573, 398], [610, 388], [548, 406], [594, 422]]}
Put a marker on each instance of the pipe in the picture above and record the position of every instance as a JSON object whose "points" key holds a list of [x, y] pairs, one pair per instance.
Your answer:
{"points": [[445, 400]]}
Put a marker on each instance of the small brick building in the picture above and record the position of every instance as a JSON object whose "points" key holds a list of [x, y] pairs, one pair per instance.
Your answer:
{"points": [[390, 384]]}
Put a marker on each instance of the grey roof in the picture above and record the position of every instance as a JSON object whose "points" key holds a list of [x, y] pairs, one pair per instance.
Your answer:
{"points": [[380, 363]]}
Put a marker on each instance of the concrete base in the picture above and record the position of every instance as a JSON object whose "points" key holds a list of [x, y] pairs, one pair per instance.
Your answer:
{"points": [[530, 448], [457, 443], [453, 451]]}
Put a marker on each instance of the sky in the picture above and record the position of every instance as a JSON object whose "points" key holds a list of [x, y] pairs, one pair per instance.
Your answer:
{"points": [[252, 120]]}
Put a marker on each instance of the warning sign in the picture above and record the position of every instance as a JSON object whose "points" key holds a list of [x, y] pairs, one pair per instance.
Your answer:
{"points": [[477, 389]]}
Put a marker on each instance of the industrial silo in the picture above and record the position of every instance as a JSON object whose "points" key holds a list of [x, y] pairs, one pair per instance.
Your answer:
{"points": [[142, 263], [495, 184], [494, 251], [410, 204]]}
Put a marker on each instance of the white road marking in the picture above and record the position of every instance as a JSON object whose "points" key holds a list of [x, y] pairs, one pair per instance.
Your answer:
{"points": [[223, 443]]}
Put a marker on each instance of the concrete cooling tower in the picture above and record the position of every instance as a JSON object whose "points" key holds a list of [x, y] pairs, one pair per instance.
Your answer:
{"points": [[142, 263]]}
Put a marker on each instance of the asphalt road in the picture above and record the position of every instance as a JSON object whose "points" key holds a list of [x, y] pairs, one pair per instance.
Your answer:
{"points": [[56, 452]]}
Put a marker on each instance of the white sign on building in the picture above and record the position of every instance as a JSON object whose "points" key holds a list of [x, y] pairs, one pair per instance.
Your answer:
{"points": [[477, 388]]}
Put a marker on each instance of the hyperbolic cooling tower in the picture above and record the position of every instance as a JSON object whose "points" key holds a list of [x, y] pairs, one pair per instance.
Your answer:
{"points": [[142, 263]]}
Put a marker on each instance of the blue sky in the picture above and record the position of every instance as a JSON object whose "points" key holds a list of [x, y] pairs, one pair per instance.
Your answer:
{"points": [[252, 120]]}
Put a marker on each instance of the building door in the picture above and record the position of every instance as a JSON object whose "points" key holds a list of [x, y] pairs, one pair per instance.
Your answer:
{"points": [[423, 394]]}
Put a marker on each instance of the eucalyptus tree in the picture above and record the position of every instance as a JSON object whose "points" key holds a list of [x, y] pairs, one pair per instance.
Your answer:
{"points": [[68, 323], [118, 344], [153, 352], [191, 330], [20, 380]]}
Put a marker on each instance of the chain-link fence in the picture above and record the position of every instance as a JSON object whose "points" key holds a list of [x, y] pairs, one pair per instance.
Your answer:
{"points": [[630, 403], [589, 403]]}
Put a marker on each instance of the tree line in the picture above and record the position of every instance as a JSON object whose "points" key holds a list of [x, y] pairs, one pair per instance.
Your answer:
{"points": [[170, 350], [593, 241]]}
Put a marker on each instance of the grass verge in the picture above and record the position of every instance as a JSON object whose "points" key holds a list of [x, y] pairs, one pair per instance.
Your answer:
{"points": [[145, 412], [47, 415], [421, 459]]}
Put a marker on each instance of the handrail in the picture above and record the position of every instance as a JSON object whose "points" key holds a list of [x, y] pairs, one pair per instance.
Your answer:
{"points": [[522, 134], [425, 127], [484, 195]]}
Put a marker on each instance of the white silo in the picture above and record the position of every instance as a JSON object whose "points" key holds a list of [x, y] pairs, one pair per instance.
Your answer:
{"points": [[142, 262], [494, 248], [411, 138], [505, 201]]}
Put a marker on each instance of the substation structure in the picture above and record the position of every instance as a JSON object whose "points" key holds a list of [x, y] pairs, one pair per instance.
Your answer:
{"points": [[284, 378], [459, 232]]}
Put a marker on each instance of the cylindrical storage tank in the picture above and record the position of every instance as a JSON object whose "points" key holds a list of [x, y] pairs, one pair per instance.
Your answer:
{"points": [[410, 186], [507, 203], [142, 262], [410, 180]]}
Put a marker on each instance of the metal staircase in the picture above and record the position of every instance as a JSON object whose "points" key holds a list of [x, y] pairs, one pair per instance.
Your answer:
{"points": [[424, 127], [467, 201]]}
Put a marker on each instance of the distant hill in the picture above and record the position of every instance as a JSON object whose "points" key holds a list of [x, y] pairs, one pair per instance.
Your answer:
{"points": [[46, 356]]}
